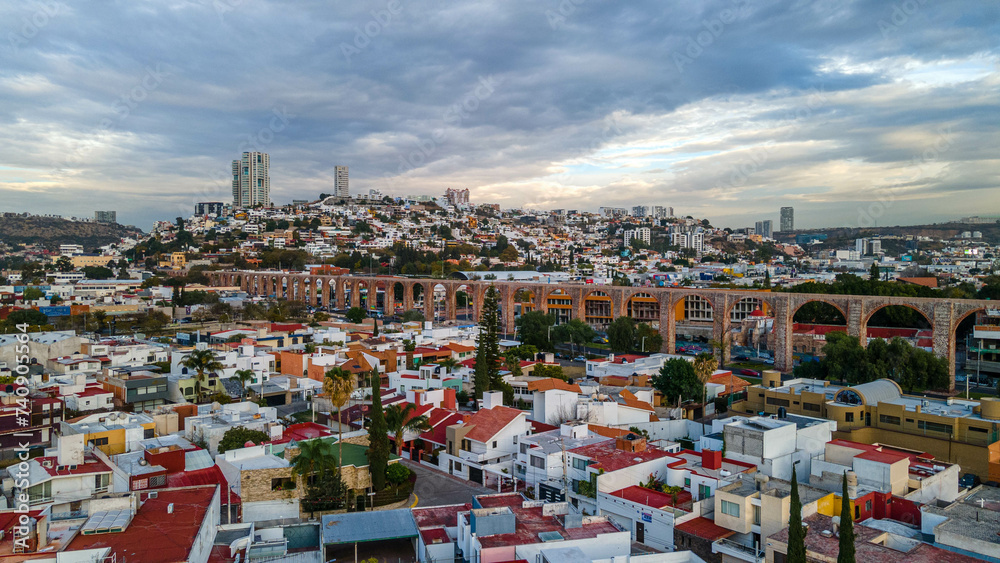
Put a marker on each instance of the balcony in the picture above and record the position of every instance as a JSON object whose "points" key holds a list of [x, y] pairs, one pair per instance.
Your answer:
{"points": [[738, 550]]}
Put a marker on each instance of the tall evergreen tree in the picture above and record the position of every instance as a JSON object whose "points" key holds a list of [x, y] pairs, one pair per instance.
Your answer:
{"points": [[846, 554], [487, 373], [796, 534], [375, 328], [875, 274], [378, 437]]}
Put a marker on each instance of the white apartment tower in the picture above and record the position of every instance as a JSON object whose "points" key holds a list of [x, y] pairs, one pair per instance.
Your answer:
{"points": [[340, 186], [251, 182]]}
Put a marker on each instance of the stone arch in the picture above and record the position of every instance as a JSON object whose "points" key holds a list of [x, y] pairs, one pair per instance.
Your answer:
{"points": [[870, 313], [598, 308], [804, 299], [643, 307], [559, 303]]}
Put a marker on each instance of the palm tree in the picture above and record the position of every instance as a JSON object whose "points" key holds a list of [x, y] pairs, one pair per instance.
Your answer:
{"points": [[201, 361], [243, 376], [705, 365], [400, 420], [315, 456], [337, 386], [449, 364]]}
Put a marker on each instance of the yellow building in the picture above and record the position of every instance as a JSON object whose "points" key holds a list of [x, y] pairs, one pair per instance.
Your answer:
{"points": [[954, 430], [177, 261], [84, 260], [111, 432]]}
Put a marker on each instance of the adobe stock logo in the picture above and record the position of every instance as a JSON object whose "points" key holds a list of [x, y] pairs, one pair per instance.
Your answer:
{"points": [[364, 35]]}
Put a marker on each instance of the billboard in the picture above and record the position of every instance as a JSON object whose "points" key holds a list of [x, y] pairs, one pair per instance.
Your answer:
{"points": [[55, 311]]}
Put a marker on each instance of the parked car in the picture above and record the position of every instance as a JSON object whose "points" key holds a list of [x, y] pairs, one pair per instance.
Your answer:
{"points": [[580, 359], [750, 372]]}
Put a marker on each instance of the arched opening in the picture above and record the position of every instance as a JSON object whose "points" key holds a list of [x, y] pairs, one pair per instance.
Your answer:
{"points": [[598, 311], [318, 301], [284, 290], [644, 308], [523, 301], [977, 350], [695, 317], [306, 288], [752, 326], [417, 296], [363, 295], [560, 306], [463, 303], [397, 294], [811, 322]]}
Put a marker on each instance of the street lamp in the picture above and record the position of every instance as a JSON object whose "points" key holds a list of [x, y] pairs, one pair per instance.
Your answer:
{"points": [[643, 344]]}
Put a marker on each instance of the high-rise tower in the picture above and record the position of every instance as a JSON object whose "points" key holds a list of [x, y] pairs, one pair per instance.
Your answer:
{"points": [[251, 182]]}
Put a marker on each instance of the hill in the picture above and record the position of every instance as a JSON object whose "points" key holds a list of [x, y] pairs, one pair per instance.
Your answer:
{"points": [[53, 231]]}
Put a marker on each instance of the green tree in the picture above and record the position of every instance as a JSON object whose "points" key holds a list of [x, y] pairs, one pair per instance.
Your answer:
{"points": [[356, 315], [202, 361], [242, 376], [374, 327], [237, 437], [874, 274], [32, 293], [512, 364], [575, 332], [400, 420], [533, 329], [846, 554], [397, 474], [338, 384], [653, 341], [549, 370], [64, 264], [677, 381], [796, 533], [409, 347], [621, 335], [487, 371], [97, 272], [412, 315], [378, 437], [705, 365]]}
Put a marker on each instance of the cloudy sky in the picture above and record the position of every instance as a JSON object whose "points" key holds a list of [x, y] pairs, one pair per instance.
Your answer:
{"points": [[853, 112]]}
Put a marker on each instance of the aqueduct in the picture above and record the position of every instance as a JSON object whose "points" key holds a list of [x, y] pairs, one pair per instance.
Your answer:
{"points": [[596, 305]]}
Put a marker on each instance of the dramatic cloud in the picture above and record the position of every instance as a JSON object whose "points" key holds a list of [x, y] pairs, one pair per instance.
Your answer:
{"points": [[852, 112]]}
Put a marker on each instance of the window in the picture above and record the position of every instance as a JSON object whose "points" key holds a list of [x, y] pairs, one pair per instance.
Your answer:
{"points": [[886, 419], [810, 407], [494, 443], [934, 427], [579, 463], [974, 429], [458, 466], [101, 481], [100, 441], [777, 402], [282, 484], [849, 417], [158, 481], [524, 448], [704, 491], [730, 509], [756, 515], [467, 445], [687, 481], [868, 506], [537, 462], [148, 433]]}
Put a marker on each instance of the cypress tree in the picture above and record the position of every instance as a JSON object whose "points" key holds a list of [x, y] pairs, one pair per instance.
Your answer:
{"points": [[375, 330], [487, 373], [875, 274], [378, 437], [796, 534], [846, 554]]}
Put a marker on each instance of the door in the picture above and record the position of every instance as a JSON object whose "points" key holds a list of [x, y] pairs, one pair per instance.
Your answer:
{"points": [[475, 475], [640, 532]]}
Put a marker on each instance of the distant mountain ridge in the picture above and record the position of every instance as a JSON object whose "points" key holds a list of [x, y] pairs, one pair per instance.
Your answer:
{"points": [[53, 231]]}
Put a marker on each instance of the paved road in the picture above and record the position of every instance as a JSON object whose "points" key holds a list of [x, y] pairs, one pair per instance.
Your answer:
{"points": [[434, 488]]}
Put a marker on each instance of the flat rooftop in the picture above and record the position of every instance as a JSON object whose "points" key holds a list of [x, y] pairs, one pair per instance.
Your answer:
{"points": [[553, 441], [530, 522], [745, 486], [976, 516]]}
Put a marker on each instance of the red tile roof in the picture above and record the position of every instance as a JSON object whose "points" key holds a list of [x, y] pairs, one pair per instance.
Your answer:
{"points": [[434, 535], [550, 383], [529, 522], [90, 465], [154, 536], [651, 498], [609, 458], [208, 476], [488, 422], [704, 528]]}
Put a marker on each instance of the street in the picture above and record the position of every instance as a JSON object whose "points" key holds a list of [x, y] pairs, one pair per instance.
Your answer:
{"points": [[434, 488]]}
